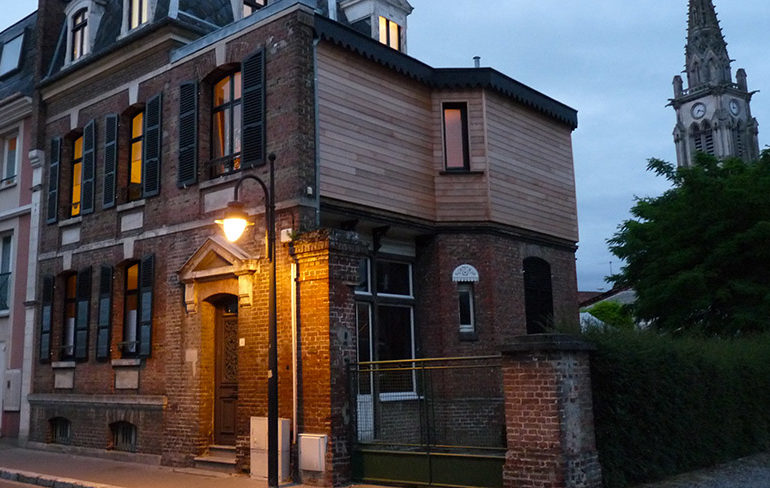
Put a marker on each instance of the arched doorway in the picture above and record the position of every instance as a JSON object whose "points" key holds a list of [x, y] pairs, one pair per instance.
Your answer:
{"points": [[225, 368]]}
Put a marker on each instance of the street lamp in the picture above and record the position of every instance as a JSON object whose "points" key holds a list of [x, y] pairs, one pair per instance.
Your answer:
{"points": [[235, 222]]}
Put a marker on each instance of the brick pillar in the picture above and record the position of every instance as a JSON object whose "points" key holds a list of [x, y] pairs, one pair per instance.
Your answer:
{"points": [[549, 414]]}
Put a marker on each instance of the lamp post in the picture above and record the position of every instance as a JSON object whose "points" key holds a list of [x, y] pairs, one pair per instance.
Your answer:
{"points": [[234, 223]]}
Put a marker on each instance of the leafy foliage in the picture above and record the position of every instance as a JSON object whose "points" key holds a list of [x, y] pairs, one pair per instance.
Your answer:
{"points": [[613, 314], [698, 256], [665, 405]]}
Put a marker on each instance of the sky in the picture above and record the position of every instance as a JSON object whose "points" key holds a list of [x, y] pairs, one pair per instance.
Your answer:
{"points": [[611, 60]]}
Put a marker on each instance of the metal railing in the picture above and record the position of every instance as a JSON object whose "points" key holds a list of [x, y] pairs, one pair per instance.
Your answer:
{"points": [[444, 404], [5, 281]]}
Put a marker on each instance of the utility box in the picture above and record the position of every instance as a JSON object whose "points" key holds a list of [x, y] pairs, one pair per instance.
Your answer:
{"points": [[12, 391], [258, 446], [312, 452]]}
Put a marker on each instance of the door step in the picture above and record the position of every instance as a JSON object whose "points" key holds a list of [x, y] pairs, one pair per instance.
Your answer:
{"points": [[217, 458]]}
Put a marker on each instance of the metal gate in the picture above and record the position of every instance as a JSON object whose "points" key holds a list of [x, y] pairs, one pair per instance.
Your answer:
{"points": [[436, 422]]}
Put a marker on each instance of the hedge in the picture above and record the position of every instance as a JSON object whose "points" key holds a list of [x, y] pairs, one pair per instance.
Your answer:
{"points": [[666, 405]]}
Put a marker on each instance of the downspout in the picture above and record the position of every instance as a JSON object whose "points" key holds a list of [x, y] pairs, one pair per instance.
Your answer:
{"points": [[294, 339], [317, 183]]}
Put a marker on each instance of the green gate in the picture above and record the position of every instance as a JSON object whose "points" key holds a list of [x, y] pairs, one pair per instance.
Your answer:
{"points": [[432, 422]]}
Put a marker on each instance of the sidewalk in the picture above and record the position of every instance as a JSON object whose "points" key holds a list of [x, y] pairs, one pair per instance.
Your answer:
{"points": [[43, 468]]}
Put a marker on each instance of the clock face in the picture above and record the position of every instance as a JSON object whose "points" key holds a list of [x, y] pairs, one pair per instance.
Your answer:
{"points": [[735, 107], [698, 110]]}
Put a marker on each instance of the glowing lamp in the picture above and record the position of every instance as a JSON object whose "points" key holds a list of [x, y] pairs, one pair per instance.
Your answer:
{"points": [[235, 221]]}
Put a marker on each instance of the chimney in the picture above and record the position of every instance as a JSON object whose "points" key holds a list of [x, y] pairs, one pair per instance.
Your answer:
{"points": [[477, 61]]}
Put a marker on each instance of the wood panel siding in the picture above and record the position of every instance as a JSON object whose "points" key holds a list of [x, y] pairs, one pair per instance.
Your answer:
{"points": [[375, 135], [531, 173]]}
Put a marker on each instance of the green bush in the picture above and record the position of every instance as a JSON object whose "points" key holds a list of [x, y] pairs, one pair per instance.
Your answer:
{"points": [[667, 405]]}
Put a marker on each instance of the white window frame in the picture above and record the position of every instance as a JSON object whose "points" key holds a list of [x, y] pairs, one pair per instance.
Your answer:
{"points": [[95, 11], [125, 26], [7, 179]]}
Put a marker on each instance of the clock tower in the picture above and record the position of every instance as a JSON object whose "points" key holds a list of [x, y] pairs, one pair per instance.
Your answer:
{"points": [[713, 113]]}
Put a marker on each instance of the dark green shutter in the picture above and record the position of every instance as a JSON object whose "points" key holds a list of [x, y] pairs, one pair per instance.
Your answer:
{"points": [[110, 159], [104, 324], [46, 315], [253, 99], [188, 135], [152, 147], [82, 313], [146, 278], [53, 182], [89, 153]]}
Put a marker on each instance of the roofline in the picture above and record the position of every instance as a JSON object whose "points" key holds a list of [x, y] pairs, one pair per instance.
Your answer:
{"points": [[16, 24], [489, 78]]}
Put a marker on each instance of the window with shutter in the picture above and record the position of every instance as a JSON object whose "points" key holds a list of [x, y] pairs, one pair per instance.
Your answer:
{"points": [[89, 143], [136, 157], [82, 314], [70, 316], [46, 317], [188, 134], [152, 147], [146, 278], [53, 182], [77, 177], [110, 159], [253, 74], [104, 324]]}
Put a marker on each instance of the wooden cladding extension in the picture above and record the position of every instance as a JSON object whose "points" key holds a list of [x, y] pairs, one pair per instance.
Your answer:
{"points": [[381, 146]]}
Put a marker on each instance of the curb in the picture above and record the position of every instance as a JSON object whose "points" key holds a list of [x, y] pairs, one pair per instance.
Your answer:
{"points": [[48, 480]]}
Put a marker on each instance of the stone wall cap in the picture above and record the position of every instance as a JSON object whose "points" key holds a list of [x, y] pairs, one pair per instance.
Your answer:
{"points": [[547, 342]]}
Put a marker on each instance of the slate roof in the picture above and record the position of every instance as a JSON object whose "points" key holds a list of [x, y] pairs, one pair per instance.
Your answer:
{"points": [[22, 80]]}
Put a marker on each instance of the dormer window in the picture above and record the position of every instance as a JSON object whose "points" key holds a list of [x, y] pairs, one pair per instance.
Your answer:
{"points": [[79, 31], [390, 33], [137, 13], [251, 6], [11, 55]]}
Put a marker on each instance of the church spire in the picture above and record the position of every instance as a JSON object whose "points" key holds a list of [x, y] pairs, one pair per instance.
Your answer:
{"points": [[706, 52]]}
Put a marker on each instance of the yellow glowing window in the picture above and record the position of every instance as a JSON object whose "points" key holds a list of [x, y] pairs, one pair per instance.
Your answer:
{"points": [[138, 12], [226, 125], [390, 33], [77, 176], [456, 155], [135, 166]]}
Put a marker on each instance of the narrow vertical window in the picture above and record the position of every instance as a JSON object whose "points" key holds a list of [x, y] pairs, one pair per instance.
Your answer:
{"points": [[52, 203], [137, 315], [9, 158], [131, 312], [5, 272], [46, 317], [137, 13], [79, 34], [135, 164], [110, 160], [70, 315], [456, 157], [390, 33], [538, 295], [466, 307], [77, 176], [226, 125], [104, 324]]}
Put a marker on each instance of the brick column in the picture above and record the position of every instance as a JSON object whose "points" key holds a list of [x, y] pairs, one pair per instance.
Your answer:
{"points": [[549, 414]]}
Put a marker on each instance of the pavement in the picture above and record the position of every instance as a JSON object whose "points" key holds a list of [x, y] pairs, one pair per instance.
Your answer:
{"points": [[59, 470], [749, 472]]}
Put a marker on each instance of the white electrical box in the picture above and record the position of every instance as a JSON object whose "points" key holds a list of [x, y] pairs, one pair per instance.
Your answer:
{"points": [[12, 391], [258, 446], [312, 452]]}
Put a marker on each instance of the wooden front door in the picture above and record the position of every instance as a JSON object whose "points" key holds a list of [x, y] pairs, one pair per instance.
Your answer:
{"points": [[226, 381]]}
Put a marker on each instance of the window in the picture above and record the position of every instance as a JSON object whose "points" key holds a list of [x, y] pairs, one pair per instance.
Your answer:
{"points": [[70, 315], [456, 156], [5, 272], [226, 125], [390, 33], [137, 13], [538, 295], [77, 176], [123, 436], [137, 312], [11, 55], [8, 146], [59, 430], [385, 318], [467, 315], [104, 324], [703, 138], [46, 317], [251, 6], [77, 302], [136, 154], [79, 29]]}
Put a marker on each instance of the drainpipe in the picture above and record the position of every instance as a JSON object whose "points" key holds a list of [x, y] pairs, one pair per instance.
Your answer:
{"points": [[294, 338], [317, 189]]}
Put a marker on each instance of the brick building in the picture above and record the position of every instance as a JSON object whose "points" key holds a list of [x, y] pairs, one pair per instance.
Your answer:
{"points": [[422, 213], [20, 170]]}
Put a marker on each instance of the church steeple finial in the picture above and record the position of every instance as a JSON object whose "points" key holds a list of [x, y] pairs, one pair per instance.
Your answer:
{"points": [[706, 52]]}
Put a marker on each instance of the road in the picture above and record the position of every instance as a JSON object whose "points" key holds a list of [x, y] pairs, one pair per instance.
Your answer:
{"points": [[13, 484]]}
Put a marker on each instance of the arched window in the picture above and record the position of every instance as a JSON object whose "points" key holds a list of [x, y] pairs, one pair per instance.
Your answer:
{"points": [[538, 295], [703, 138], [226, 125], [59, 430], [738, 133], [123, 436]]}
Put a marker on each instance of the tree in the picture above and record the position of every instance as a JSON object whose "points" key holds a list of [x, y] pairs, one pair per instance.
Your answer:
{"points": [[698, 256], [613, 314]]}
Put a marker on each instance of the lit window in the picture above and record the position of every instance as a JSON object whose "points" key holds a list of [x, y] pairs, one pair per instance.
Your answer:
{"points": [[77, 176], [467, 315], [11, 56], [131, 313], [226, 125], [135, 165], [251, 6], [137, 13], [9, 155], [456, 136], [390, 33], [5, 272], [70, 315], [79, 34]]}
